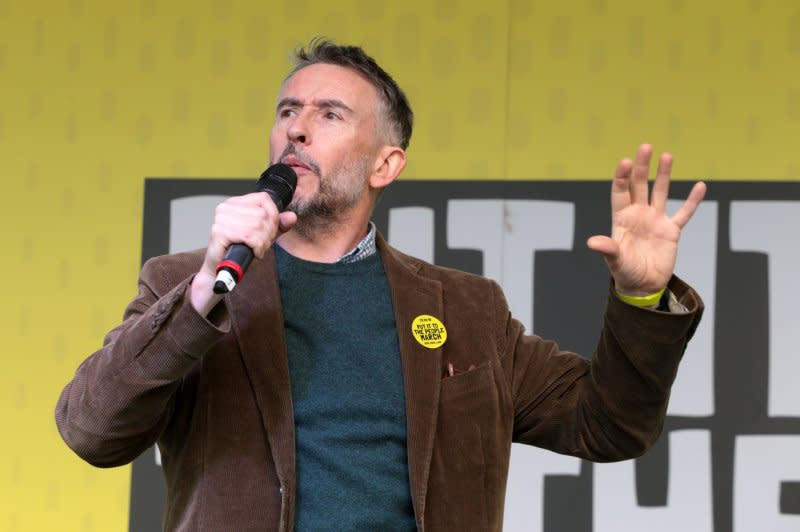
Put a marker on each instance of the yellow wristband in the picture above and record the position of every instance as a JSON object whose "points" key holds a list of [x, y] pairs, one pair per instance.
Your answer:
{"points": [[650, 300]]}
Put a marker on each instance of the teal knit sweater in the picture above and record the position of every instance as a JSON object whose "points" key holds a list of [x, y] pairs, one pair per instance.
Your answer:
{"points": [[347, 391]]}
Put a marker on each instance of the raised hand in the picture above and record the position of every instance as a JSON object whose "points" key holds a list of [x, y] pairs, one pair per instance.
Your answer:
{"points": [[643, 245]]}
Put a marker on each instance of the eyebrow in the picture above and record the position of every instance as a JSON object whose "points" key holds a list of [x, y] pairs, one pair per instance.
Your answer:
{"points": [[324, 103]]}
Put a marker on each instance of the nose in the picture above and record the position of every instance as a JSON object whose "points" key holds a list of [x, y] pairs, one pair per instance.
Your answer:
{"points": [[298, 130]]}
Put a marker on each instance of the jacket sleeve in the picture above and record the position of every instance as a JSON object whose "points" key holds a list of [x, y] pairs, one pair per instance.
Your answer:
{"points": [[120, 399], [611, 407]]}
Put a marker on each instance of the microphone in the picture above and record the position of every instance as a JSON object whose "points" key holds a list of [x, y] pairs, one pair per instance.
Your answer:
{"points": [[279, 181]]}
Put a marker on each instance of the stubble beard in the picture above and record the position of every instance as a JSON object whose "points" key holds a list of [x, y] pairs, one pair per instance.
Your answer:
{"points": [[339, 191]]}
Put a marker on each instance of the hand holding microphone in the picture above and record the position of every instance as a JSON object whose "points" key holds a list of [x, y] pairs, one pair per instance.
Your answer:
{"points": [[244, 226], [279, 182]]}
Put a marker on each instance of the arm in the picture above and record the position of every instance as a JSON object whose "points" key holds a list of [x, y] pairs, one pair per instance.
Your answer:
{"points": [[613, 407], [120, 398]]}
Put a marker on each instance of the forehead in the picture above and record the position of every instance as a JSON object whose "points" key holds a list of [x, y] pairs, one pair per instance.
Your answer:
{"points": [[325, 82]]}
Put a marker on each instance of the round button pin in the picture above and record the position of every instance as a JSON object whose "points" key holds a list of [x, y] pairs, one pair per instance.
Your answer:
{"points": [[428, 331]]}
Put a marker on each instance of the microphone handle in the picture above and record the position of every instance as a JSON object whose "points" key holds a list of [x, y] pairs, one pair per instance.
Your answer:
{"points": [[232, 267]]}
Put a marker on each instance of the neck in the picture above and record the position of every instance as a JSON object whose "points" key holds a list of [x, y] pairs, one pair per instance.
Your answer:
{"points": [[324, 242]]}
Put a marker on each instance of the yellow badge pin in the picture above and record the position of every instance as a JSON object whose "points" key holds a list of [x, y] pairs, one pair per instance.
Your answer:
{"points": [[428, 331]]}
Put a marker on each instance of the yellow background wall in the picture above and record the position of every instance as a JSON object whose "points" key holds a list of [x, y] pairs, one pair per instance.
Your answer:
{"points": [[97, 95]]}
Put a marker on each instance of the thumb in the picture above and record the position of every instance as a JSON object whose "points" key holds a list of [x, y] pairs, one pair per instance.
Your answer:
{"points": [[286, 221], [605, 245]]}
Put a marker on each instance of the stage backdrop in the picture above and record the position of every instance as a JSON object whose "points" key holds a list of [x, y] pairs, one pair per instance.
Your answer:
{"points": [[727, 458], [523, 107]]}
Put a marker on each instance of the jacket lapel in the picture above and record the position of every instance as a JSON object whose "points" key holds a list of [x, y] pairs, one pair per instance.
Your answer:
{"points": [[412, 295], [257, 317]]}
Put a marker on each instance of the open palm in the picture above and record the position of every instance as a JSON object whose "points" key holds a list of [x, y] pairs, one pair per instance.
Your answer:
{"points": [[643, 245]]}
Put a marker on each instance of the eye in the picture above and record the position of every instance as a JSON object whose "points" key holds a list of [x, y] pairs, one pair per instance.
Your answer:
{"points": [[286, 112], [330, 115]]}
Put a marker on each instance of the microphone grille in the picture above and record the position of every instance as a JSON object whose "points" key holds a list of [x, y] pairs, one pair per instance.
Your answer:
{"points": [[279, 181], [283, 171]]}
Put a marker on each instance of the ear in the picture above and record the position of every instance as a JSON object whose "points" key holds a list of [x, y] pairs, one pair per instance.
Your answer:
{"points": [[390, 162]]}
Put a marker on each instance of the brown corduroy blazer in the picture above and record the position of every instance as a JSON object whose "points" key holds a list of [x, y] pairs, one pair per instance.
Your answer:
{"points": [[215, 395]]}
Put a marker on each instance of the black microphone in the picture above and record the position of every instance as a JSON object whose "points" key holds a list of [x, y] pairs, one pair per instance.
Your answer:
{"points": [[279, 181]]}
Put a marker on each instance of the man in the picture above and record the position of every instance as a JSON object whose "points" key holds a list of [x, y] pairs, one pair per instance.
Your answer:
{"points": [[344, 385]]}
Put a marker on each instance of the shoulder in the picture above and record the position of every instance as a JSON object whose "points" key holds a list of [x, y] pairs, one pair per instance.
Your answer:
{"points": [[452, 280]]}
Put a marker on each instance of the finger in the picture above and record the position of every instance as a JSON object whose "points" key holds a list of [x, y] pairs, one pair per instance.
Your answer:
{"points": [[687, 210], [250, 235], [639, 178], [605, 245], [256, 203], [254, 226], [243, 217], [660, 192], [257, 241], [268, 203], [253, 204], [620, 186], [287, 221], [253, 198]]}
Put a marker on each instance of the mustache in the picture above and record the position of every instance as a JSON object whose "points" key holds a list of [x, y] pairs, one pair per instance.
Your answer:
{"points": [[291, 149]]}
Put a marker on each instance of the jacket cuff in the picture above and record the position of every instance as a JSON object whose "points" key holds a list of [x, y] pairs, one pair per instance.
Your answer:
{"points": [[192, 333], [179, 335], [663, 327]]}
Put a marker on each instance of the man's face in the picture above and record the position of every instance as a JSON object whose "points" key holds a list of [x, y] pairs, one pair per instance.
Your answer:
{"points": [[325, 129]]}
